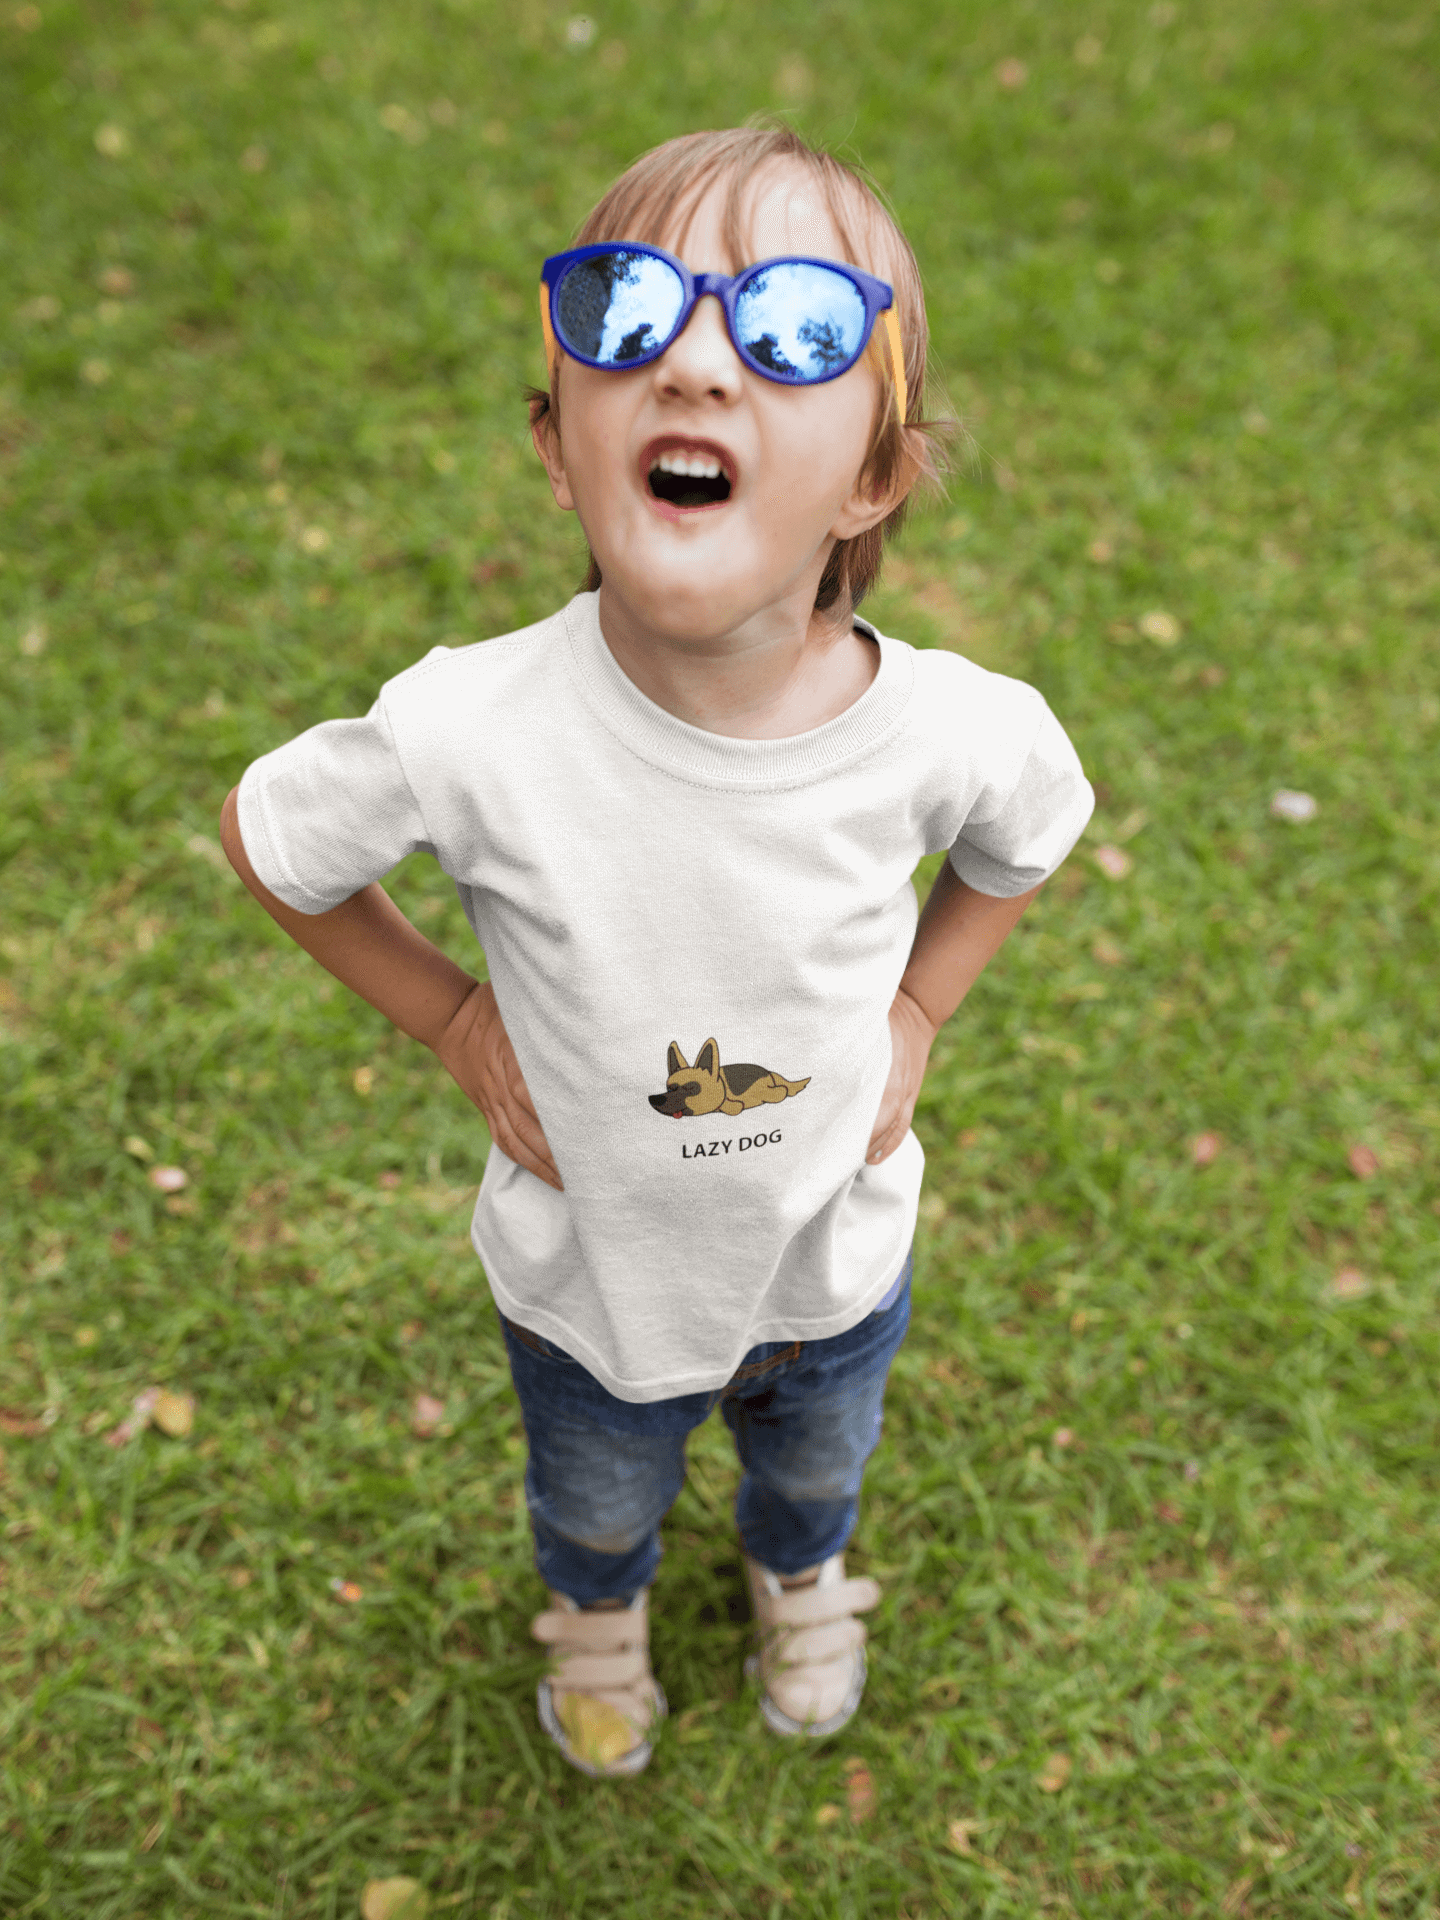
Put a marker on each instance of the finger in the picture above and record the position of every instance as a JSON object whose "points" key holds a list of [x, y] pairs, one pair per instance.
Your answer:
{"points": [[516, 1148], [516, 1087]]}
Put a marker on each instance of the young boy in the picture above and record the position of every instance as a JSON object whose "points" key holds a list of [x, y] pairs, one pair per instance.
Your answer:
{"points": [[682, 814]]}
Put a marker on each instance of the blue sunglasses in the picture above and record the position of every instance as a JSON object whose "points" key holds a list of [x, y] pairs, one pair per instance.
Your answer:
{"points": [[620, 304]]}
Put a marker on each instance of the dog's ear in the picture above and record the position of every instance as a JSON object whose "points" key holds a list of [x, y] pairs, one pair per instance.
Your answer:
{"points": [[675, 1061], [708, 1059]]}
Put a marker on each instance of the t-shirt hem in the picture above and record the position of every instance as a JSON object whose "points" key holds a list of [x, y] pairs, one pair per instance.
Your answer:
{"points": [[551, 1327]]}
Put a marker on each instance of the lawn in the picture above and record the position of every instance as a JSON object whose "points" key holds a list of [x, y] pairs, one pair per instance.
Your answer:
{"points": [[1155, 1515]]}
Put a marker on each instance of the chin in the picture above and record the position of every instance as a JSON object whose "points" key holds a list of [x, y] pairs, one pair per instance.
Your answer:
{"points": [[672, 600]]}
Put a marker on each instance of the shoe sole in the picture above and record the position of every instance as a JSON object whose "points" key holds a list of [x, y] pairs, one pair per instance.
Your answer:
{"points": [[781, 1723], [633, 1762]]}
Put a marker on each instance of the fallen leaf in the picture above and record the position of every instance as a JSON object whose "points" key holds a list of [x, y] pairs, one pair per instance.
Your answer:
{"points": [[1012, 74], [426, 1413], [21, 1426], [1100, 551], [346, 1590], [1167, 1511], [396, 1899], [598, 1731], [363, 1081], [1205, 1148], [168, 1179], [137, 1148], [411, 1332], [1364, 1162], [1113, 862], [1107, 953], [119, 282], [859, 1790], [86, 1336], [1163, 628], [1297, 808], [960, 1832], [152, 1834], [174, 1413], [827, 1814], [1055, 1772], [1349, 1284]]}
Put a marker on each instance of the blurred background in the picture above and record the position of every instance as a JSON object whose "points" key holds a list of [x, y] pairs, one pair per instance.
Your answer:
{"points": [[1155, 1515]]}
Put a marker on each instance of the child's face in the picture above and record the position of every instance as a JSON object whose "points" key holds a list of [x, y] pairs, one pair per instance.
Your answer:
{"points": [[793, 455]]}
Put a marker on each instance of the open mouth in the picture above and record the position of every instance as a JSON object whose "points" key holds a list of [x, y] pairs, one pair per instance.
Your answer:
{"points": [[685, 479]]}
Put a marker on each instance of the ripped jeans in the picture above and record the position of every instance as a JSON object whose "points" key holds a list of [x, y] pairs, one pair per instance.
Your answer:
{"points": [[603, 1473]]}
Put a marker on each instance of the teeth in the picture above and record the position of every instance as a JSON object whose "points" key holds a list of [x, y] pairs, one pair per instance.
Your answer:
{"points": [[697, 466]]}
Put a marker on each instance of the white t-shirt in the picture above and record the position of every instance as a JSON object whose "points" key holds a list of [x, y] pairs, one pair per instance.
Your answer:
{"points": [[694, 942]]}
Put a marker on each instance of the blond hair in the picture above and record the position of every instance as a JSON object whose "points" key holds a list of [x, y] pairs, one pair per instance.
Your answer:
{"points": [[657, 195]]}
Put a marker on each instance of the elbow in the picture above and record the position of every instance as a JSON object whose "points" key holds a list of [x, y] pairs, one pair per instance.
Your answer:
{"points": [[230, 837]]}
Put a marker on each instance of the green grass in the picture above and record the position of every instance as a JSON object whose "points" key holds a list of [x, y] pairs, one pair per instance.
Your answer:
{"points": [[1184, 295]]}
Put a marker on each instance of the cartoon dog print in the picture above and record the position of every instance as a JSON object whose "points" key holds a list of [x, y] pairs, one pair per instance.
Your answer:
{"points": [[707, 1087]]}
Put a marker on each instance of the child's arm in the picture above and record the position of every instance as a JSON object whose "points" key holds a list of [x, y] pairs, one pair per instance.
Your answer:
{"points": [[959, 933], [369, 944]]}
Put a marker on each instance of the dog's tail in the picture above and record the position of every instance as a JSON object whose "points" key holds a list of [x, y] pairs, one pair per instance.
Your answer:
{"points": [[792, 1087]]}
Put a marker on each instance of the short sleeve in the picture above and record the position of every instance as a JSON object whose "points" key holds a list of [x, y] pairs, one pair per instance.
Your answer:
{"points": [[329, 812], [1011, 844]]}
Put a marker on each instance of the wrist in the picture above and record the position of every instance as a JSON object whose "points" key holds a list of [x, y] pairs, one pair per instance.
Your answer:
{"points": [[918, 1011]]}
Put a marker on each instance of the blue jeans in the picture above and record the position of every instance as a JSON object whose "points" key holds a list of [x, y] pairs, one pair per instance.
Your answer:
{"points": [[603, 1473]]}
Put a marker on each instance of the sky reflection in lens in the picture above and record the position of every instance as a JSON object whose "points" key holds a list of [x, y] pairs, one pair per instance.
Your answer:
{"points": [[800, 320], [618, 306]]}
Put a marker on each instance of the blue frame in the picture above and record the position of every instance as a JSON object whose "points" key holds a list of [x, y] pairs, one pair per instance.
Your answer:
{"points": [[878, 295]]}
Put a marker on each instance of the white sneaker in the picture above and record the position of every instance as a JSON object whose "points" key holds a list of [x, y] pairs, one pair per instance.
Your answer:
{"points": [[811, 1659], [600, 1699]]}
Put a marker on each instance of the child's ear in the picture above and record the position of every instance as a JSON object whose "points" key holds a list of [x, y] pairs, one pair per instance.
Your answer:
{"points": [[545, 433], [868, 504], [675, 1061], [708, 1059]]}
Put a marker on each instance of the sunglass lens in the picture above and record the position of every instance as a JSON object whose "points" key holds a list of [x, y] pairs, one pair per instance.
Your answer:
{"points": [[801, 322], [616, 307]]}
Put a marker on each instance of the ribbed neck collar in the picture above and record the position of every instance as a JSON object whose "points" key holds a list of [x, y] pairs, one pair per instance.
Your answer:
{"points": [[718, 758]]}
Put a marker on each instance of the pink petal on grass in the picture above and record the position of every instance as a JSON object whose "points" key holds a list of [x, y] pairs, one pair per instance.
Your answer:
{"points": [[426, 1413], [168, 1179], [347, 1590], [1012, 74], [1063, 1437], [859, 1790], [1113, 862], [1364, 1162], [142, 1408], [1349, 1284], [1205, 1147]]}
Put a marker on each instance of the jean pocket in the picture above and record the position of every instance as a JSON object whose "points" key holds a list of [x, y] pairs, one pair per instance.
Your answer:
{"points": [[537, 1343]]}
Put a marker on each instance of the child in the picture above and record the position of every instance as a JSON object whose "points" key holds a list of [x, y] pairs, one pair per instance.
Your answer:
{"points": [[682, 814]]}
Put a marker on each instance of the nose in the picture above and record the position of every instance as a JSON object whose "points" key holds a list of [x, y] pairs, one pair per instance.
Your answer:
{"points": [[701, 363]]}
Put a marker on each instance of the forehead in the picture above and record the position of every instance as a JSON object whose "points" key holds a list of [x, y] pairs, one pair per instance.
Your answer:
{"points": [[779, 209]]}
